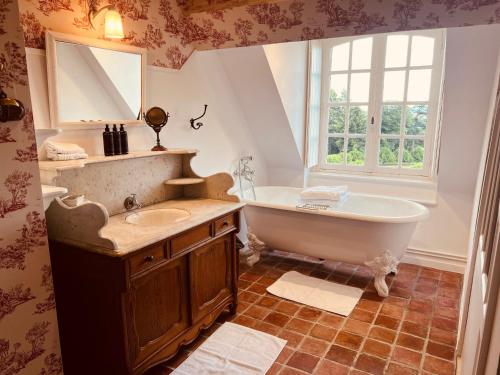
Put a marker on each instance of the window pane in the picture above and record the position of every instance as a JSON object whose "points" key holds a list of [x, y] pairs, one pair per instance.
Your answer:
{"points": [[422, 51], [419, 85], [413, 154], [356, 151], [396, 53], [394, 86], [416, 119], [340, 57], [362, 53], [391, 119], [358, 119], [338, 88], [336, 120], [360, 87], [335, 151], [389, 151]]}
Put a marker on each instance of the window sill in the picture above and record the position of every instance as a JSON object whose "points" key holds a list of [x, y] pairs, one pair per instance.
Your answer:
{"points": [[421, 190]]}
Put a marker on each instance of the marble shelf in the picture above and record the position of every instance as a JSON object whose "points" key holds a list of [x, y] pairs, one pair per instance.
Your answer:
{"points": [[184, 181], [56, 166]]}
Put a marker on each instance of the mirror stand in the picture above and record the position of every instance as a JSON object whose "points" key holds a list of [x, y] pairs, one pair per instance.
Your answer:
{"points": [[156, 118]]}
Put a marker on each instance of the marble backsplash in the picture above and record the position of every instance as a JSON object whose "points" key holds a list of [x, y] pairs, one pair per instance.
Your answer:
{"points": [[111, 182]]}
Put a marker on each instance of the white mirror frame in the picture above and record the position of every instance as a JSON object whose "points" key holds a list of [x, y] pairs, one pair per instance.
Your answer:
{"points": [[51, 38]]}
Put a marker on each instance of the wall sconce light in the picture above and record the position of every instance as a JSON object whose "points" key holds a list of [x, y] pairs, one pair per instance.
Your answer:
{"points": [[113, 27]]}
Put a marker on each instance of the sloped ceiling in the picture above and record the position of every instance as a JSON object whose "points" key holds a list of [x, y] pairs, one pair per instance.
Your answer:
{"points": [[261, 104]]}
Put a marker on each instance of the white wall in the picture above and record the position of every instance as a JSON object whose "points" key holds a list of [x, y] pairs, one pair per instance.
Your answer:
{"points": [[223, 139], [288, 63], [247, 116], [471, 303], [259, 98], [471, 53], [471, 59]]}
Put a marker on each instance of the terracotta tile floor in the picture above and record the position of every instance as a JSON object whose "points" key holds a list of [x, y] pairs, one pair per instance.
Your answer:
{"points": [[413, 331]]}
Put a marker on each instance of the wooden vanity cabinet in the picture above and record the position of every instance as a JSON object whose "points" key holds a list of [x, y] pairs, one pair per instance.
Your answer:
{"points": [[123, 315]]}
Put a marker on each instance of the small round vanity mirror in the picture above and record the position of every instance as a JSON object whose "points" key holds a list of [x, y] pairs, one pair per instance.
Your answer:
{"points": [[156, 118]]}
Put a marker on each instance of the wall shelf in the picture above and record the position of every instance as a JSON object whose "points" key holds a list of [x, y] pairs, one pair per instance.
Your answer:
{"points": [[51, 165], [185, 181]]}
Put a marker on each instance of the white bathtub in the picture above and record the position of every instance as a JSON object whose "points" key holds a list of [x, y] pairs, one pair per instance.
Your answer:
{"points": [[362, 229]]}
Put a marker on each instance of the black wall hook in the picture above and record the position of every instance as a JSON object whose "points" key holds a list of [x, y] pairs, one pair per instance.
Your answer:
{"points": [[198, 124]]}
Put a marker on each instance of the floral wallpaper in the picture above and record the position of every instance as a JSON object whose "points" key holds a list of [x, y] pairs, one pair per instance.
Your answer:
{"points": [[172, 29], [191, 6], [28, 325]]}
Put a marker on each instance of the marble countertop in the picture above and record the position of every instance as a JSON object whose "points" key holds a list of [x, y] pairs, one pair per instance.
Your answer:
{"points": [[132, 237]]}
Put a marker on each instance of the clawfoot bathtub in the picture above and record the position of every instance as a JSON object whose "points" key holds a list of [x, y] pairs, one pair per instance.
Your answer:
{"points": [[361, 229]]}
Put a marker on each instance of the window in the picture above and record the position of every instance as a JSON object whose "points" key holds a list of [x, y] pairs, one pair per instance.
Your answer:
{"points": [[380, 100]]}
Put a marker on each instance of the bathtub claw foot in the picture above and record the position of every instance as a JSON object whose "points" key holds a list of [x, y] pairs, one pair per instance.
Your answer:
{"points": [[381, 266], [255, 248]]}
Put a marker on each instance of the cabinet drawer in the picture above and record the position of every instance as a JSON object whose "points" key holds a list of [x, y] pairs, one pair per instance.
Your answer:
{"points": [[186, 240], [224, 224], [146, 259]]}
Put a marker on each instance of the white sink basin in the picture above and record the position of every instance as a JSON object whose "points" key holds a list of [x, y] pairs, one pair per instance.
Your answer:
{"points": [[160, 216]]}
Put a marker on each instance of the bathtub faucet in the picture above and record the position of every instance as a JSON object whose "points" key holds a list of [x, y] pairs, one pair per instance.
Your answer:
{"points": [[244, 171]]}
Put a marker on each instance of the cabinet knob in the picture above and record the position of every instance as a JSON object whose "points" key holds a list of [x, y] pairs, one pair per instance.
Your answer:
{"points": [[225, 224], [149, 258]]}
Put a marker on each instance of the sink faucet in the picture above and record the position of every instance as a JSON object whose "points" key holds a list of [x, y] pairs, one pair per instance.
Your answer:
{"points": [[131, 202]]}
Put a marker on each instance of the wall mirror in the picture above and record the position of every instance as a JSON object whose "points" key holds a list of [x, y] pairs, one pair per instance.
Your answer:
{"points": [[92, 82]]}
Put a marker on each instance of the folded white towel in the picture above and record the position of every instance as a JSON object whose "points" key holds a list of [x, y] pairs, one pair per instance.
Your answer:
{"points": [[333, 193], [56, 156], [324, 202], [63, 148]]}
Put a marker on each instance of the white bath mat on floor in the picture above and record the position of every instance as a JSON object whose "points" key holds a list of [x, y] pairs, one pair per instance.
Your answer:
{"points": [[233, 350], [322, 294]]}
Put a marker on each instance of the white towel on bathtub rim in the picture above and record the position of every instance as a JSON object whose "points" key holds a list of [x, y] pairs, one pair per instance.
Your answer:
{"points": [[325, 202], [233, 350], [333, 193], [63, 148]]}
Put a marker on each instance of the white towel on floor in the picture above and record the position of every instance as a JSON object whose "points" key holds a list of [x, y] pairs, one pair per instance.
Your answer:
{"points": [[233, 350], [332, 193], [63, 148], [322, 294]]}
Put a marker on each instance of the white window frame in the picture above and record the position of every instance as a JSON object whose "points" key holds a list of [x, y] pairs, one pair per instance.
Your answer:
{"points": [[373, 134]]}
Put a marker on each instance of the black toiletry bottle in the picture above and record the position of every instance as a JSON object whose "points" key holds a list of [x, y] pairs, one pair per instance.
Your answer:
{"points": [[107, 140], [116, 140], [123, 139]]}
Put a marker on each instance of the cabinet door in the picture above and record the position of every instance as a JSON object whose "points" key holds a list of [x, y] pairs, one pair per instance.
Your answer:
{"points": [[211, 277], [158, 308]]}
